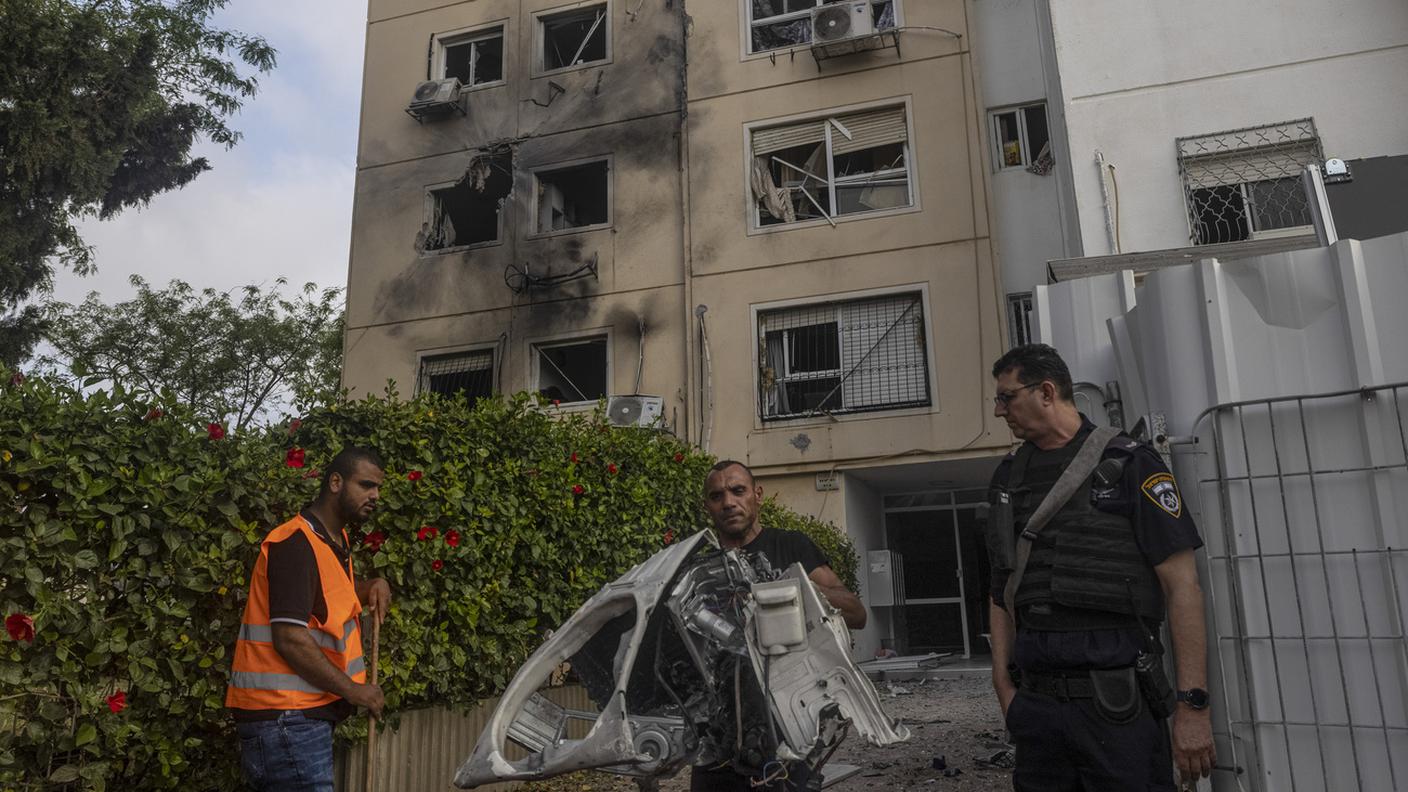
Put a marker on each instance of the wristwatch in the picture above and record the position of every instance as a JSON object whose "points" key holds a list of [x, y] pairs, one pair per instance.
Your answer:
{"points": [[1197, 698]]}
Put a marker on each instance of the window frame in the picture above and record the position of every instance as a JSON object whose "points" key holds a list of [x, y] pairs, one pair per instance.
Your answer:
{"points": [[472, 35], [747, 23], [754, 221], [756, 312], [568, 339], [995, 135], [539, 65], [1025, 301], [430, 201], [495, 358], [534, 182]]}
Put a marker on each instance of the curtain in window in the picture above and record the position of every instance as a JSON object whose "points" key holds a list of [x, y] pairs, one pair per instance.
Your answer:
{"points": [[771, 197], [775, 401]]}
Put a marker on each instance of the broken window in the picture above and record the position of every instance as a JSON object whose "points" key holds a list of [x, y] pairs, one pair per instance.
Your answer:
{"points": [[573, 38], [1022, 138], [572, 371], [1019, 318], [826, 167], [576, 196], [1246, 183], [467, 374], [474, 59], [840, 357], [470, 211], [788, 23]]}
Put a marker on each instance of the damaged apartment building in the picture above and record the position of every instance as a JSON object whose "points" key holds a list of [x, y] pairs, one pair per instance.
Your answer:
{"points": [[761, 225]]}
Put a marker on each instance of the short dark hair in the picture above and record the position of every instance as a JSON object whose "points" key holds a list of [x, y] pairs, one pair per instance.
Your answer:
{"points": [[346, 462], [725, 464], [1036, 363]]}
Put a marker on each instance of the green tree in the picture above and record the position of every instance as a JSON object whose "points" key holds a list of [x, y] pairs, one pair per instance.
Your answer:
{"points": [[233, 359], [101, 102]]}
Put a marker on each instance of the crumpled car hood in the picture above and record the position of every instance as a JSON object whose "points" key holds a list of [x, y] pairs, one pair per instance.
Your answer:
{"points": [[696, 655]]}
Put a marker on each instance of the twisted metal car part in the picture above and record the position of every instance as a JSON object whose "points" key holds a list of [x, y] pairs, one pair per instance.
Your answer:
{"points": [[697, 655]]}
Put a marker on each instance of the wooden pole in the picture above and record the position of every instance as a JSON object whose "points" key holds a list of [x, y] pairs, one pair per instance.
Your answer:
{"points": [[371, 719]]}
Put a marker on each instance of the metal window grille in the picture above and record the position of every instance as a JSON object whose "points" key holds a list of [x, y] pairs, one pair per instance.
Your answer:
{"points": [[1306, 514], [1019, 318], [1245, 183], [788, 23], [467, 373], [843, 357]]}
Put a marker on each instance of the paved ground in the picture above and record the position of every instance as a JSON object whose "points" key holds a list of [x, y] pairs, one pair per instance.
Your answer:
{"points": [[953, 718]]}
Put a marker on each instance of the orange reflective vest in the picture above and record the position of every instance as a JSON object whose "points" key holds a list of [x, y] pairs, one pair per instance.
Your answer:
{"points": [[260, 679]]}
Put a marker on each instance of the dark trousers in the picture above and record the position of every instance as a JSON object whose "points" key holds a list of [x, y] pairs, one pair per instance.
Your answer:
{"points": [[726, 779], [1067, 746]]}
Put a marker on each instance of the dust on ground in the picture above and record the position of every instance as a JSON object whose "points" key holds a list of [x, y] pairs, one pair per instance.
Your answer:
{"points": [[954, 719]]}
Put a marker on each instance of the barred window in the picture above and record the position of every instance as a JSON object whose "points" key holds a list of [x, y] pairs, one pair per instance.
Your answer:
{"points": [[788, 23], [467, 373], [824, 167], [843, 357], [1019, 318], [1246, 183]]}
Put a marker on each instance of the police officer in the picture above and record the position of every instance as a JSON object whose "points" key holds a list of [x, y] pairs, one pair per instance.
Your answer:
{"points": [[1076, 671]]}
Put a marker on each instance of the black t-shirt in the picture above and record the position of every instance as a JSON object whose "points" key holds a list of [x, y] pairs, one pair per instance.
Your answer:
{"points": [[783, 548], [1148, 496], [296, 597]]}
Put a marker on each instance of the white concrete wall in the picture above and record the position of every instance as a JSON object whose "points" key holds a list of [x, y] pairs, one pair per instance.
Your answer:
{"points": [[1135, 76], [865, 524]]}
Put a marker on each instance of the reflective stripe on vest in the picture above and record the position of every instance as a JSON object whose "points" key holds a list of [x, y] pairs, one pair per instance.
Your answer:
{"points": [[260, 679]]}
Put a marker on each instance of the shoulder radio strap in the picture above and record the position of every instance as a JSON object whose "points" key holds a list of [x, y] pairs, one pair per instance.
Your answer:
{"points": [[1071, 478]]}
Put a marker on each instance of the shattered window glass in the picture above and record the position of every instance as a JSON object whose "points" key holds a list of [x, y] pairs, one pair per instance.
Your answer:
{"points": [[573, 197], [574, 371], [573, 38], [788, 23], [476, 59], [469, 211]]}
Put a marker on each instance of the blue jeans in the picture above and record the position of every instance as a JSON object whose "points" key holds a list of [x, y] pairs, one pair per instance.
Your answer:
{"points": [[292, 753]]}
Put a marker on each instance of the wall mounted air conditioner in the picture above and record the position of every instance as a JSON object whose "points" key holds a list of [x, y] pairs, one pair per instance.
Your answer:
{"points": [[841, 21], [634, 410], [435, 98]]}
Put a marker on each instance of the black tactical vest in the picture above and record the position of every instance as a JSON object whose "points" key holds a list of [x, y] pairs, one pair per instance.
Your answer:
{"points": [[1084, 558]]}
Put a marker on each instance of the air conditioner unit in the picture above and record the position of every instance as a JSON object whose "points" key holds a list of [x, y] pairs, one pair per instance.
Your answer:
{"points": [[435, 97], [841, 21], [634, 410]]}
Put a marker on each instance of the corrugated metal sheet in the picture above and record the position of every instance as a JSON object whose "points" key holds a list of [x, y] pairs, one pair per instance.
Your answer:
{"points": [[1302, 500], [427, 748]]}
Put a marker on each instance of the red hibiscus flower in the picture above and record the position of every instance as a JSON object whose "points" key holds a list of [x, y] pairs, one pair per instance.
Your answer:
{"points": [[427, 532], [20, 626], [670, 536], [294, 457], [578, 489], [679, 457], [573, 458], [17, 378], [293, 426], [154, 414], [215, 431], [374, 540], [452, 538], [117, 702], [612, 469], [414, 475], [556, 402], [437, 565]]}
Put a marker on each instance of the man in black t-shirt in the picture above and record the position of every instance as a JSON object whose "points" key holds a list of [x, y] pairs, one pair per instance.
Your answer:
{"points": [[733, 499], [1102, 574]]}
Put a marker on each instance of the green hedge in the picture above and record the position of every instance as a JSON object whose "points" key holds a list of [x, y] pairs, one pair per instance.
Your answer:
{"points": [[128, 530]]}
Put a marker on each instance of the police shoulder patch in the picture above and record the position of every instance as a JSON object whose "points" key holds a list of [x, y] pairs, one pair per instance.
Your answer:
{"points": [[1163, 491]]}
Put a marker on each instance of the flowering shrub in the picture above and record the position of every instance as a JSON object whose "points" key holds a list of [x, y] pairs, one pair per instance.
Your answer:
{"points": [[127, 537]]}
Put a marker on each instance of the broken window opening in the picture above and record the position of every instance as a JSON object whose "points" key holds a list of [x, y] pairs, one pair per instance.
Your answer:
{"points": [[1022, 138], [827, 168], [574, 371], [1019, 318], [788, 23], [469, 375], [851, 356], [573, 197], [470, 212], [574, 38], [476, 59]]}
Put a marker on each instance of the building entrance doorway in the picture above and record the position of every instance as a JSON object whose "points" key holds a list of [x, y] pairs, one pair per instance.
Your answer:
{"points": [[946, 578]]}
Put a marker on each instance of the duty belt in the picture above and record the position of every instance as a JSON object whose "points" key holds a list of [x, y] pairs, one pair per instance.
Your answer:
{"points": [[1063, 685]]}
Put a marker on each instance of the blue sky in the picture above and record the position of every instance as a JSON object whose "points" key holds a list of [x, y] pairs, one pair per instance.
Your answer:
{"points": [[280, 203]]}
